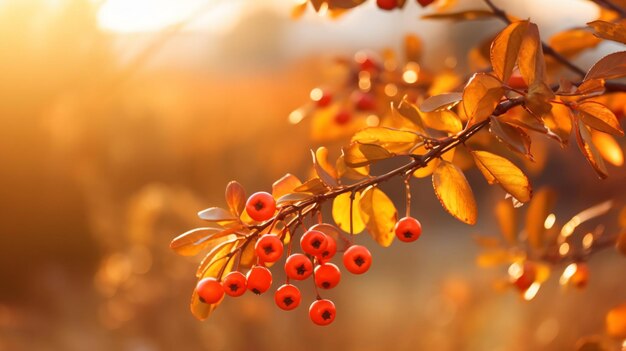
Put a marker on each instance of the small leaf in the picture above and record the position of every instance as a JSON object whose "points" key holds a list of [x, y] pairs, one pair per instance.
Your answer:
{"points": [[469, 15], [572, 42], [356, 173], [609, 67], [314, 186], [531, 62], [505, 49], [379, 214], [341, 213], [358, 155], [608, 148], [235, 198], [445, 120], [600, 117], [285, 185], [538, 99], [216, 214], [559, 121], [497, 169], [585, 143], [481, 96], [538, 210], [409, 111], [610, 31], [440, 102], [392, 140], [454, 192], [292, 198], [325, 171], [515, 138], [616, 321], [507, 220], [192, 242]]}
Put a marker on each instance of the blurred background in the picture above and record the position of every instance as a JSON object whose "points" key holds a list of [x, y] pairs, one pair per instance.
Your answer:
{"points": [[120, 119]]}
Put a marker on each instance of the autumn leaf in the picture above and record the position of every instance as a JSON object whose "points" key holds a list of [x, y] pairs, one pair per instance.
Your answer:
{"points": [[469, 15], [572, 42], [538, 210], [392, 140], [538, 99], [608, 30], [358, 155], [341, 213], [235, 198], [343, 170], [216, 214], [440, 102], [505, 49], [531, 62], [515, 138], [292, 198], [499, 170], [481, 96], [600, 117], [616, 321], [285, 185], [325, 171], [379, 214], [446, 121], [588, 148], [454, 192], [608, 147], [609, 67], [559, 121], [429, 168], [409, 111], [192, 242], [313, 186], [507, 220]]}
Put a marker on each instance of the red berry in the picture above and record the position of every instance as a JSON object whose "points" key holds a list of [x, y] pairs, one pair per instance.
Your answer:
{"points": [[408, 229], [327, 275], [261, 206], [313, 242], [287, 297], [210, 290], [322, 312], [342, 117], [363, 101], [322, 98], [425, 3], [527, 276], [259, 279], [234, 284], [269, 248], [298, 267], [357, 259], [516, 81], [387, 4], [329, 252]]}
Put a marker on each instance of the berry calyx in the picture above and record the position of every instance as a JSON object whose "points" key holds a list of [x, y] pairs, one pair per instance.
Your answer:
{"points": [[425, 3], [269, 248], [329, 252], [287, 297], [261, 206], [313, 242], [357, 259], [387, 4], [342, 117], [209, 290], [327, 275], [298, 267], [259, 279], [234, 284], [322, 312], [408, 229]]}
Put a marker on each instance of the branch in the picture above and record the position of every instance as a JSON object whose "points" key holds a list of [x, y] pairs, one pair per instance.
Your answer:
{"points": [[608, 4], [547, 49]]}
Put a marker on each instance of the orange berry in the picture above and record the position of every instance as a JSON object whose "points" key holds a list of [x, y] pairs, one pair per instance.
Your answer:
{"points": [[322, 312], [329, 252], [313, 242], [209, 290], [298, 267], [387, 4], [269, 248], [527, 277], [327, 275], [342, 117], [259, 279], [261, 206], [287, 297], [357, 259], [408, 229], [234, 284]]}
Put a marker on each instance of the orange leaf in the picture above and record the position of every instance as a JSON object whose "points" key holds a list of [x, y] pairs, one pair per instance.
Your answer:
{"points": [[454, 192], [572, 42], [600, 117], [515, 138], [608, 148], [413, 47], [358, 155], [235, 198], [498, 169], [481, 96], [469, 15], [216, 214], [325, 171], [507, 220], [609, 67], [285, 185], [392, 140], [610, 31], [585, 143], [505, 49], [440, 102], [192, 242], [531, 62], [538, 210]]}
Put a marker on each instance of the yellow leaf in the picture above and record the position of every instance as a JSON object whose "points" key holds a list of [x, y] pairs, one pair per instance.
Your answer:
{"points": [[440, 102], [498, 169], [481, 96], [393, 140], [616, 322], [325, 171], [608, 147], [610, 31], [358, 155], [505, 49], [341, 213], [355, 173], [515, 138], [454, 192], [609, 67], [531, 62], [216, 263], [538, 210], [192, 242], [430, 167], [507, 220], [216, 214], [600, 117], [314, 186], [572, 42], [292, 198], [409, 111], [235, 198], [285, 185], [586, 145], [445, 120], [379, 214]]}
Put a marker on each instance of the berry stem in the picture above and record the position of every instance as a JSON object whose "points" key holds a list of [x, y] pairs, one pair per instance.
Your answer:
{"points": [[407, 188]]}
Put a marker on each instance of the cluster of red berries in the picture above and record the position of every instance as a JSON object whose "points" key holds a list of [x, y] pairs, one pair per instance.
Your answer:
{"points": [[317, 248], [393, 4]]}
